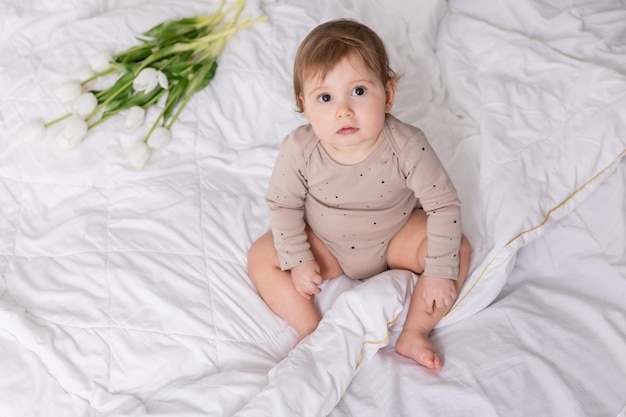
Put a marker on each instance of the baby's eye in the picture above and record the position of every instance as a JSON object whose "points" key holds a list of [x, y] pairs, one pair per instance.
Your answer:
{"points": [[358, 91], [324, 98]]}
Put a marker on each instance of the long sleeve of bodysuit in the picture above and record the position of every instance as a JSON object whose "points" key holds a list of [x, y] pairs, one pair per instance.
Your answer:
{"points": [[426, 176], [285, 198]]}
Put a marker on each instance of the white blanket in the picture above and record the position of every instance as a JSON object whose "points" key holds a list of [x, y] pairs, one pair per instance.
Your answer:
{"points": [[125, 292]]}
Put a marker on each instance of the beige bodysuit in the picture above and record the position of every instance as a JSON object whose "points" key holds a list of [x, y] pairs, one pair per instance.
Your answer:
{"points": [[356, 209]]}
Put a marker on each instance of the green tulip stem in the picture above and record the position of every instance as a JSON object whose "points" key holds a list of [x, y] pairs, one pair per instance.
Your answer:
{"points": [[109, 99], [185, 50], [191, 88], [108, 71], [154, 99], [158, 119], [65, 116]]}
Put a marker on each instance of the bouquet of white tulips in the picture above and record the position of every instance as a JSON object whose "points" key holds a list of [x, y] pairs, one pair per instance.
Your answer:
{"points": [[175, 60]]}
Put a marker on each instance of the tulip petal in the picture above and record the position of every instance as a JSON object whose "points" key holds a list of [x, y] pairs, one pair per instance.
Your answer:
{"points": [[68, 91], [162, 79], [33, 131], [100, 62], [160, 138], [134, 118], [72, 134], [83, 74], [146, 80], [138, 155], [84, 105]]}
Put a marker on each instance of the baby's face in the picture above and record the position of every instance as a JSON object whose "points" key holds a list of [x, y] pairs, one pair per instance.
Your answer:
{"points": [[347, 108]]}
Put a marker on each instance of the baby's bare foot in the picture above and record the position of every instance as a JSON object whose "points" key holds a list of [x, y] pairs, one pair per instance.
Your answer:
{"points": [[416, 345]]}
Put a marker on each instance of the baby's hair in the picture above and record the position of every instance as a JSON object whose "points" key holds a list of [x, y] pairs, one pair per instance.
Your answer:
{"points": [[329, 43]]}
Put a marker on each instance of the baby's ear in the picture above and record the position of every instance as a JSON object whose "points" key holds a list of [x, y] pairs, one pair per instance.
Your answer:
{"points": [[301, 105], [390, 94]]}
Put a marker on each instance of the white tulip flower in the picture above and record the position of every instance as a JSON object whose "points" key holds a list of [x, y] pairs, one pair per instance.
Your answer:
{"points": [[84, 105], [162, 78], [33, 131], [73, 133], [138, 155], [100, 62], [68, 91], [83, 74], [134, 118], [160, 138], [148, 79]]}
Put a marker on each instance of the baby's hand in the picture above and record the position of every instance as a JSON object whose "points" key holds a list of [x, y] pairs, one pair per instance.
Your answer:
{"points": [[439, 293], [306, 278]]}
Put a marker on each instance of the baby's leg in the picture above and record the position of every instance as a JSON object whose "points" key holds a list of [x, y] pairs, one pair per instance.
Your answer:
{"points": [[277, 289], [408, 250], [414, 341]]}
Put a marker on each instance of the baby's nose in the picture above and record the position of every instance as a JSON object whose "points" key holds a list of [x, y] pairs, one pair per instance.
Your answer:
{"points": [[344, 110]]}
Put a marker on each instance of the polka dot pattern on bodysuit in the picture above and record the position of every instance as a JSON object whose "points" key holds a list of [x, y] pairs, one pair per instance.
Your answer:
{"points": [[357, 209]]}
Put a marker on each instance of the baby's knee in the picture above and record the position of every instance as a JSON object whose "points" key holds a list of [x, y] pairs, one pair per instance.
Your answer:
{"points": [[253, 253], [261, 251], [465, 251]]}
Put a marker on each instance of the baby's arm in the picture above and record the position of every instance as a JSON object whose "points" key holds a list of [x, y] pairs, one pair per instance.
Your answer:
{"points": [[285, 198], [438, 197], [439, 293], [306, 278]]}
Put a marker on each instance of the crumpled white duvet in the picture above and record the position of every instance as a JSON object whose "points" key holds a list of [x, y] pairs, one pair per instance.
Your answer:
{"points": [[125, 292], [315, 375]]}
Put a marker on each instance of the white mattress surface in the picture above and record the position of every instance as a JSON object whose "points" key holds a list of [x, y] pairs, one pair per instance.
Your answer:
{"points": [[125, 292]]}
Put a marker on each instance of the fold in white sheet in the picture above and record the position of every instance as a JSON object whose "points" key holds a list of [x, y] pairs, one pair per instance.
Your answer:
{"points": [[315, 375]]}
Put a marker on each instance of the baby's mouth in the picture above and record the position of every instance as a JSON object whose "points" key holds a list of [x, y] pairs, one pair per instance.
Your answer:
{"points": [[348, 130]]}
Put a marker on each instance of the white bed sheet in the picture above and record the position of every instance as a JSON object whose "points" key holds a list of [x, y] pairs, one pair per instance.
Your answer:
{"points": [[552, 344], [125, 292]]}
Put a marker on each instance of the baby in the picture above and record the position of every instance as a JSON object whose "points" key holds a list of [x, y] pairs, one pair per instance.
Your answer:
{"points": [[356, 191]]}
